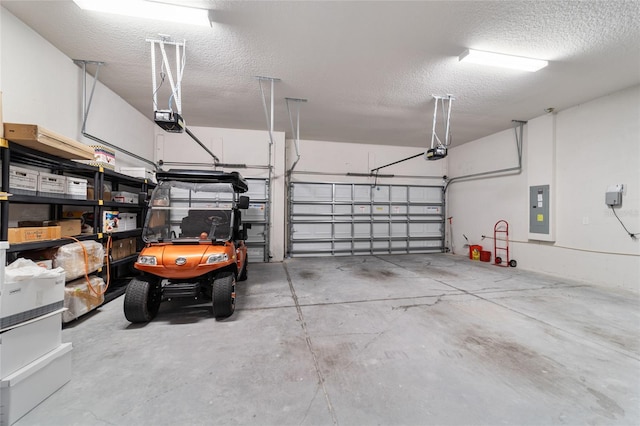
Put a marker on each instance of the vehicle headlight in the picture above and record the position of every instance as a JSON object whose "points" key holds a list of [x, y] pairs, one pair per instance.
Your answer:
{"points": [[147, 260], [217, 257]]}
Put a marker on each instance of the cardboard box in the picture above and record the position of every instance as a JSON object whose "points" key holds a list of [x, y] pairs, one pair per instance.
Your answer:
{"points": [[41, 139], [67, 226], [23, 181], [110, 221], [50, 185], [21, 391], [30, 298], [139, 172], [124, 197], [91, 194], [123, 247], [25, 342], [105, 156], [76, 188], [119, 249], [79, 299], [127, 221], [36, 233]]}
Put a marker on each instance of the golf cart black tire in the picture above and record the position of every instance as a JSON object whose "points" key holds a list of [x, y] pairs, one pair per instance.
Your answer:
{"points": [[243, 272], [141, 300], [223, 295], [513, 263]]}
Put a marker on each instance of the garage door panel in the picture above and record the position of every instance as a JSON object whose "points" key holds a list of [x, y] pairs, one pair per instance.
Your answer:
{"points": [[257, 215], [312, 192], [311, 209], [335, 218], [381, 194], [381, 230], [342, 209]]}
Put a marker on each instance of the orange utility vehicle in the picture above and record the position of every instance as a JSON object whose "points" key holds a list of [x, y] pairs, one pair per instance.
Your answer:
{"points": [[195, 243]]}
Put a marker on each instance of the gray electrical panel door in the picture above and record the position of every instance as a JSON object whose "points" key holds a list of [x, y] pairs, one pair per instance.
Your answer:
{"points": [[539, 209]]}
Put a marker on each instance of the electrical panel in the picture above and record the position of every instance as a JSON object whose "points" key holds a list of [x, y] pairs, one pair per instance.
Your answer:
{"points": [[539, 209], [613, 197]]}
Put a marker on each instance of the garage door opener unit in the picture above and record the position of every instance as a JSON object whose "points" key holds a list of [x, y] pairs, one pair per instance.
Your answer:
{"points": [[439, 150]]}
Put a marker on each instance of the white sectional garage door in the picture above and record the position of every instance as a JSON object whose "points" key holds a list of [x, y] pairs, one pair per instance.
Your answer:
{"points": [[258, 216], [350, 219]]}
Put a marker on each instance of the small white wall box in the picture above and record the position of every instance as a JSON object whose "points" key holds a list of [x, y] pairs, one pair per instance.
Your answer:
{"points": [[25, 342], [30, 298], [127, 221], [139, 172], [22, 181], [76, 188], [50, 185], [29, 386], [613, 196]]}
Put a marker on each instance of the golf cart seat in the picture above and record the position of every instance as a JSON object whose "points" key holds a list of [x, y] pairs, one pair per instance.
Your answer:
{"points": [[199, 221]]}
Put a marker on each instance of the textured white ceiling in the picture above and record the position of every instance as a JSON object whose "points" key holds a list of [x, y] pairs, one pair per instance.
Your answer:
{"points": [[368, 69]]}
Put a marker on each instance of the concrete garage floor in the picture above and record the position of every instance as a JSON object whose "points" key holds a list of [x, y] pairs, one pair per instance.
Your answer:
{"points": [[391, 340]]}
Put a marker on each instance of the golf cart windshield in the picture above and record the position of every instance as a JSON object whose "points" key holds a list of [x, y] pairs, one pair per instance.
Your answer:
{"points": [[190, 212]]}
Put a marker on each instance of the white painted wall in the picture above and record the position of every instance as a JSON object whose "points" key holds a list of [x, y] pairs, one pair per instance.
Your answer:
{"points": [[596, 145], [322, 161], [41, 85]]}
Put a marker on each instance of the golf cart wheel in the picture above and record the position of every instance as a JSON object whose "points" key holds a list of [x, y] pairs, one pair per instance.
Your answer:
{"points": [[141, 300], [223, 295], [513, 263], [498, 260], [243, 273]]}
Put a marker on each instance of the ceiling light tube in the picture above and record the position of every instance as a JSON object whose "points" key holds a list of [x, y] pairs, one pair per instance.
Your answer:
{"points": [[148, 10], [501, 60]]}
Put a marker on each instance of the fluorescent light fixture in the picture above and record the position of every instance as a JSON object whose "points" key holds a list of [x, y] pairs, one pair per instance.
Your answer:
{"points": [[501, 60], [148, 10]]}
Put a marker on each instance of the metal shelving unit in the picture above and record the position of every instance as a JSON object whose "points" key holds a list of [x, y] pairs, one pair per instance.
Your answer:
{"points": [[11, 153]]}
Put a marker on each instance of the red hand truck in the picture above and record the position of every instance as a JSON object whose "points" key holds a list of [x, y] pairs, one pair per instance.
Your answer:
{"points": [[501, 236]]}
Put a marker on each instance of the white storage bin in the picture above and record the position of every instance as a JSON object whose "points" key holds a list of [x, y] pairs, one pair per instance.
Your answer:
{"points": [[24, 343], [124, 197], [26, 388], [4, 246], [127, 221], [22, 181], [50, 185], [25, 299], [76, 188], [139, 172]]}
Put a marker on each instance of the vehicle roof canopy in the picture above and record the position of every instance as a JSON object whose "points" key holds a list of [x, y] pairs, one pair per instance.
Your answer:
{"points": [[205, 176]]}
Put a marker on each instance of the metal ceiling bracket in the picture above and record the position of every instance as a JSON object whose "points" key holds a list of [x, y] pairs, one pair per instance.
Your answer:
{"points": [[439, 150], [86, 107], [295, 129], [269, 115], [176, 84]]}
